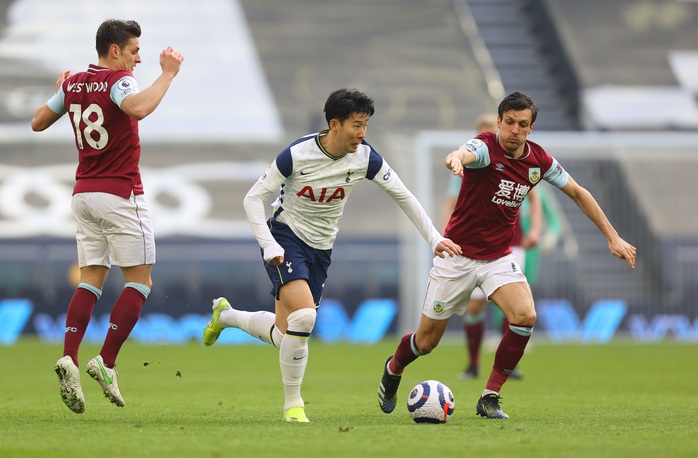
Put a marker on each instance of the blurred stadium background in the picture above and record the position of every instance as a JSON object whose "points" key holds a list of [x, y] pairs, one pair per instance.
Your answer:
{"points": [[616, 83]]}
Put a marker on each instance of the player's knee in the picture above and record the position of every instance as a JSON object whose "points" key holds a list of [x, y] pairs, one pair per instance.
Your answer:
{"points": [[425, 345], [302, 320], [428, 348], [525, 318], [531, 318]]}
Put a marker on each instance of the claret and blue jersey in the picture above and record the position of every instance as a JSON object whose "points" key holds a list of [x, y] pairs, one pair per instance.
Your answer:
{"points": [[493, 188]]}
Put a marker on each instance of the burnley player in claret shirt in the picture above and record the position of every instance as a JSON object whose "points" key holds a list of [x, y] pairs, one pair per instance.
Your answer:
{"points": [[499, 170]]}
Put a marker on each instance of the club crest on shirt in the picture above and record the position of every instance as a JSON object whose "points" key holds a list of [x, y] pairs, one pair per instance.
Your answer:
{"points": [[534, 174], [438, 306]]}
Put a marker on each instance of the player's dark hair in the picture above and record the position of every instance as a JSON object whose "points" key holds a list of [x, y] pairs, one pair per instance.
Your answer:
{"points": [[342, 103], [115, 31], [518, 101]]}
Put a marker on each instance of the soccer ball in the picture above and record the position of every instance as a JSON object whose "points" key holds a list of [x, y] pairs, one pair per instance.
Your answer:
{"points": [[431, 402]]}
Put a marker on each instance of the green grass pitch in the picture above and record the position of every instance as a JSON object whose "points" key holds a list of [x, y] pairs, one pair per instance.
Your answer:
{"points": [[615, 400]]}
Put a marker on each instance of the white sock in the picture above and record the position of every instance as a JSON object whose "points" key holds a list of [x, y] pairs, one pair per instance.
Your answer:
{"points": [[293, 355], [256, 324]]}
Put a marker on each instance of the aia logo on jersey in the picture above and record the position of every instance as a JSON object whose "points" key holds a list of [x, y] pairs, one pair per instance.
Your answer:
{"points": [[308, 193], [534, 174]]}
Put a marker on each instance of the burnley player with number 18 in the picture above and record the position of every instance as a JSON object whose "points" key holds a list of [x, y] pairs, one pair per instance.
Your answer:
{"points": [[112, 221]]}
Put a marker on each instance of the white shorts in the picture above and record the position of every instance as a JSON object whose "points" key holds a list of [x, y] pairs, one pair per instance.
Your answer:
{"points": [[520, 256], [453, 279], [113, 230]]}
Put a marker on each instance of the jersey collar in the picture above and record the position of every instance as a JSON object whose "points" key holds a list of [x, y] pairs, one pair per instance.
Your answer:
{"points": [[322, 133]]}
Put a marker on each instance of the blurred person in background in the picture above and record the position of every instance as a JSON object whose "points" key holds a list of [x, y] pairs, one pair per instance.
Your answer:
{"points": [[313, 177], [498, 172], [554, 228], [113, 224]]}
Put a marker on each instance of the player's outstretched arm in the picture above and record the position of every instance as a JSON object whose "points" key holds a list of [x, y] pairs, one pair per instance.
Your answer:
{"points": [[622, 249], [141, 104], [586, 202], [409, 204], [458, 159]]}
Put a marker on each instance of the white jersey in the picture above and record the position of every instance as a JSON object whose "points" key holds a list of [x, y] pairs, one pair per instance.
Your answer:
{"points": [[313, 189]]}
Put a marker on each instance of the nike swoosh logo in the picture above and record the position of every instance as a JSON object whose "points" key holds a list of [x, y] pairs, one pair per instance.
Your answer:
{"points": [[297, 358], [104, 373], [304, 173]]}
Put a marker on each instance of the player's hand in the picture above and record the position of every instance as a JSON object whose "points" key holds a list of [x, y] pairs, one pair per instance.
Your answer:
{"points": [[548, 242], [447, 246], [62, 77], [622, 249], [454, 163], [274, 254], [171, 61], [530, 240], [277, 261]]}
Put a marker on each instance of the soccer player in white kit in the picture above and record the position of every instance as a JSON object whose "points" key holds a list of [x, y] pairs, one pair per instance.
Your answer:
{"points": [[498, 169], [313, 178]]}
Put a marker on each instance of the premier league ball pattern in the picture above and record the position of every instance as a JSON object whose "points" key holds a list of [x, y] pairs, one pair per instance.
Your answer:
{"points": [[431, 402]]}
